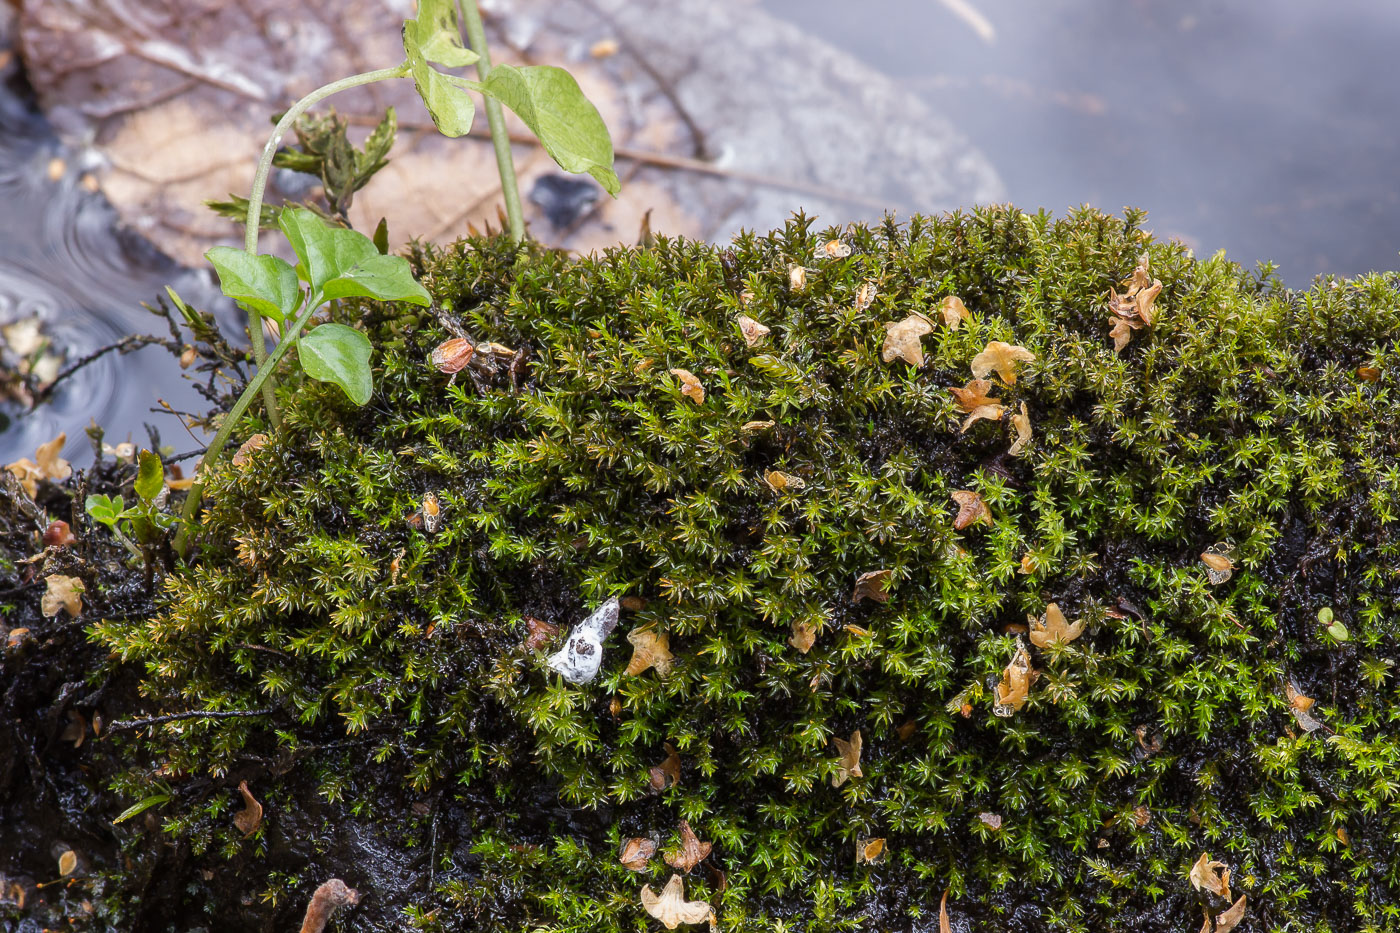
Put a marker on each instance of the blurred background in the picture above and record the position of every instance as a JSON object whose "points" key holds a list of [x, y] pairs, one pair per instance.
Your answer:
{"points": [[1268, 130]]}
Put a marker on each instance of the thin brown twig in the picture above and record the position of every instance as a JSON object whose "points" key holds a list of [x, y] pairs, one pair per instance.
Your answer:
{"points": [[126, 725]]}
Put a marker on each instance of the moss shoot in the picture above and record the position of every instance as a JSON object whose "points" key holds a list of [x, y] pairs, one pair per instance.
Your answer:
{"points": [[1193, 715]]}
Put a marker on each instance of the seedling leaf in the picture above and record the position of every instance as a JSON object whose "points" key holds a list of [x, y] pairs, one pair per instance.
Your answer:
{"points": [[339, 354]]}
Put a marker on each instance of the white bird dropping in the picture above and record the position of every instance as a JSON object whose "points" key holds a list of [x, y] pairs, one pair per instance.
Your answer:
{"points": [[582, 655]]}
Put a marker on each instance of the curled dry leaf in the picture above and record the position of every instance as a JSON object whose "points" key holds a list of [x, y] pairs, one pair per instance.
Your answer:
{"points": [[636, 852], [976, 394], [753, 332], [246, 450], [782, 481], [62, 592], [67, 863], [872, 586], [907, 730], [49, 465], [1300, 706], [971, 509], [649, 649], [1053, 629], [1021, 421], [1219, 565], [76, 728], [1141, 816], [1368, 373], [691, 851], [1227, 920], [1133, 310], [668, 773], [690, 386], [954, 312], [804, 636], [538, 633], [1001, 358], [990, 820], [250, 817], [1015, 685], [870, 851], [1214, 877], [865, 295], [902, 340], [671, 907], [833, 249], [943, 925], [750, 427], [849, 764], [797, 277], [452, 355]]}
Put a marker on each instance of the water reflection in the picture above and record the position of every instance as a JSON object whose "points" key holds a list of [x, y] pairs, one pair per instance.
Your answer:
{"points": [[1264, 128]]}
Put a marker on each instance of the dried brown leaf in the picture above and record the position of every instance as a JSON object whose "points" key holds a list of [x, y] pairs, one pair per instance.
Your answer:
{"points": [[971, 509], [1368, 374], [753, 332], [76, 728], [976, 394], [1021, 421], [869, 851], [988, 412], [1227, 920], [671, 907], [1052, 628], [749, 427], [1141, 816], [797, 278], [691, 852], [954, 312], [690, 386], [865, 295], [62, 592], [246, 450], [902, 340], [649, 649], [872, 586], [1219, 565], [250, 817], [833, 249], [781, 481], [804, 636], [943, 925], [990, 820], [1214, 877], [849, 765], [636, 852], [1014, 688], [431, 511], [1295, 697], [67, 863], [1001, 358], [49, 465], [668, 773], [906, 730]]}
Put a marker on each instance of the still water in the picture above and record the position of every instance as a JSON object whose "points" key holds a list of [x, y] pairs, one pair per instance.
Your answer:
{"points": [[1265, 129]]}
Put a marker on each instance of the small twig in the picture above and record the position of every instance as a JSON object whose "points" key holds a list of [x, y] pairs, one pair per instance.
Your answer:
{"points": [[124, 345], [126, 725], [280, 654]]}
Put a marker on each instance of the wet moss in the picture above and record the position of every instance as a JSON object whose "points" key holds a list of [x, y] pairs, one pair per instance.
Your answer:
{"points": [[1246, 415]]}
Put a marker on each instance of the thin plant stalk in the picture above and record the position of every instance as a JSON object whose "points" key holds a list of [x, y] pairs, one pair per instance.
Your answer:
{"points": [[255, 201], [496, 120]]}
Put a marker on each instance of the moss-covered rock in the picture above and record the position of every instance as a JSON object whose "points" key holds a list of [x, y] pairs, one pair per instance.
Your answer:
{"points": [[1247, 418]]}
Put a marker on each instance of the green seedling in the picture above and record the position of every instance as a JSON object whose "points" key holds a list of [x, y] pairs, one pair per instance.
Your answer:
{"points": [[138, 527], [1334, 626], [336, 263]]}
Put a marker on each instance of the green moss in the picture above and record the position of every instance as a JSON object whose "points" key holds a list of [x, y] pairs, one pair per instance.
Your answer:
{"points": [[1238, 417]]}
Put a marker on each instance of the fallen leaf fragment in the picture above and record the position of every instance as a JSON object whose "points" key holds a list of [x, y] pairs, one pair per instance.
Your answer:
{"points": [[971, 509], [691, 852], [1001, 358], [781, 481], [849, 765], [250, 817], [668, 773], [833, 249], [47, 464], [906, 730], [990, 820], [1133, 310], [1021, 421], [1014, 687], [246, 450], [67, 863], [1053, 629], [976, 394], [954, 312], [1141, 816], [649, 649], [870, 851], [671, 907], [753, 331], [797, 278], [865, 295], [431, 511], [1368, 374], [539, 633], [690, 386], [636, 853], [1214, 877], [1296, 698], [1219, 565], [943, 925], [902, 340], [62, 592], [1227, 920], [872, 586], [749, 427], [804, 636]]}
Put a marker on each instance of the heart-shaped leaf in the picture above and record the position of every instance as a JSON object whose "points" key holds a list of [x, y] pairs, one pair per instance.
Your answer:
{"points": [[339, 354], [325, 252], [567, 124], [264, 283], [435, 35], [450, 107], [388, 278]]}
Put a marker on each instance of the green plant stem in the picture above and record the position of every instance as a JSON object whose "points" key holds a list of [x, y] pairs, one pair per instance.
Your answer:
{"points": [[496, 119], [215, 450], [255, 201]]}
